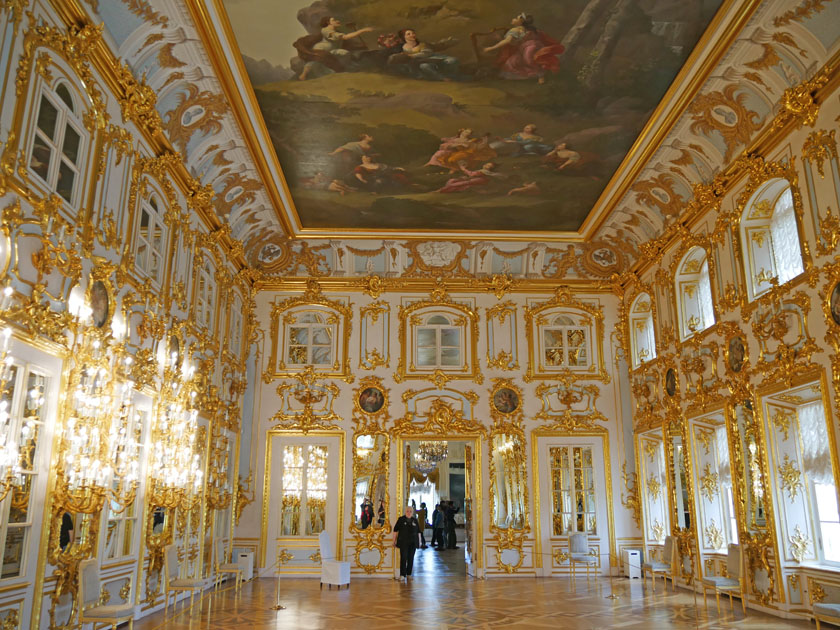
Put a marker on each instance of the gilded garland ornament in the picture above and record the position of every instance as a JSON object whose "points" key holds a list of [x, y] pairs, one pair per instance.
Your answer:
{"points": [[790, 477], [799, 544]]}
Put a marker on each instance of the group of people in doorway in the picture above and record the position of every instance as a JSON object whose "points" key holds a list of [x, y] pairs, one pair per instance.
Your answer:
{"points": [[409, 532]]}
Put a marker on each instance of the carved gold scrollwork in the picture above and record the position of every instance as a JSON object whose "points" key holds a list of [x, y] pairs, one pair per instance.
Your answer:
{"points": [[631, 500]]}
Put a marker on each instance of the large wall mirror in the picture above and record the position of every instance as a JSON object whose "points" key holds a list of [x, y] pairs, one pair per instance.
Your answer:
{"points": [[650, 449], [682, 505], [508, 497], [370, 480]]}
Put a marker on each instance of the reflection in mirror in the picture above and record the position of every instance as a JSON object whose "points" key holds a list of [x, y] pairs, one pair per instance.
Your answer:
{"points": [[681, 484], [370, 468], [753, 474], [573, 490], [508, 489]]}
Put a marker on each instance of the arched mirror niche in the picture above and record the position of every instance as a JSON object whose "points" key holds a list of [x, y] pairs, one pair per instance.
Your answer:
{"points": [[509, 520], [770, 238], [652, 472], [749, 467], [693, 293], [803, 474], [642, 335], [681, 500], [371, 520], [716, 519]]}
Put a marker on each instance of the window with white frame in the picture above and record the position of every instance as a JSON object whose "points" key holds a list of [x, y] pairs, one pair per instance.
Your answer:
{"points": [[310, 339], [151, 238], [58, 143], [724, 471], [123, 521], [304, 489], [573, 490], [438, 342], [770, 238], [817, 468], [23, 406], [694, 293], [642, 336], [565, 342], [235, 333], [204, 301]]}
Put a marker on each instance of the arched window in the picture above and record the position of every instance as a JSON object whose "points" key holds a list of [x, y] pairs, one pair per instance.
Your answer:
{"points": [[151, 238], [565, 342], [694, 293], [769, 238], [438, 343], [58, 143], [642, 337], [310, 340], [204, 301], [235, 332]]}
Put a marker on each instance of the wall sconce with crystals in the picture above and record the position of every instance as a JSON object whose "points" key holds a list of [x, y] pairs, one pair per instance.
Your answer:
{"points": [[9, 448], [97, 453], [176, 464]]}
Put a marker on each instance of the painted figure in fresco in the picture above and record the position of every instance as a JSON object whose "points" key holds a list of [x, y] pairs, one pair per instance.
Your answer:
{"points": [[349, 155], [475, 152], [506, 400], [834, 304], [561, 156], [525, 142], [331, 49], [448, 146], [525, 52], [319, 181], [376, 177], [472, 179], [424, 61]]}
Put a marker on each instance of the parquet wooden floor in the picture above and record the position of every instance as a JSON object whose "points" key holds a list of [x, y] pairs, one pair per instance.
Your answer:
{"points": [[442, 597]]}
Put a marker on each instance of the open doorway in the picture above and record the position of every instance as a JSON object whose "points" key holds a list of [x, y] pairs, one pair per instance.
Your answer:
{"points": [[438, 482]]}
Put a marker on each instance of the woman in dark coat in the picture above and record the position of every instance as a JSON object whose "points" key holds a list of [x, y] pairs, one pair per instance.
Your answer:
{"points": [[407, 538]]}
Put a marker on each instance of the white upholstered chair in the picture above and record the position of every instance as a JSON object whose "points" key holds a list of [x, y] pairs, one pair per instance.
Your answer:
{"points": [[332, 571], [173, 582], [223, 567], [579, 553], [90, 611], [665, 568], [729, 584], [826, 612]]}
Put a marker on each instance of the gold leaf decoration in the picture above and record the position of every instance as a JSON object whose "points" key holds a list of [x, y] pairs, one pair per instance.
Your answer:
{"points": [[799, 544], [791, 478]]}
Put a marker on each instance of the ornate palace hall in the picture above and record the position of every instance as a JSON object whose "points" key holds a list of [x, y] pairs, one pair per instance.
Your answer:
{"points": [[543, 296]]}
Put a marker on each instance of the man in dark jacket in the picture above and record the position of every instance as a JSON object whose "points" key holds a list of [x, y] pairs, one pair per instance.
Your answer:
{"points": [[407, 538], [451, 539], [437, 527]]}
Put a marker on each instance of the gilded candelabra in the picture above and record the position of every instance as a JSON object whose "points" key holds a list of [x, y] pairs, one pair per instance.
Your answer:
{"points": [[218, 481]]}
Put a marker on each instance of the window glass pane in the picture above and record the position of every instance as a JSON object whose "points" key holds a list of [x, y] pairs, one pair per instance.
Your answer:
{"points": [[64, 95], [41, 156], [142, 256], [576, 339], [111, 535], [555, 356], [297, 355], [321, 336], [47, 116], [786, 251], [321, 355], [292, 482], [128, 535], [450, 356], [426, 357], [553, 338], [299, 336], [438, 319], [316, 489], [426, 337], [145, 219], [66, 179], [70, 147], [21, 495], [450, 337], [13, 552]]}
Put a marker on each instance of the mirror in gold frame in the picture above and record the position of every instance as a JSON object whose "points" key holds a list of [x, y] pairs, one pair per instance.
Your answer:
{"points": [[370, 480], [508, 486], [751, 452]]}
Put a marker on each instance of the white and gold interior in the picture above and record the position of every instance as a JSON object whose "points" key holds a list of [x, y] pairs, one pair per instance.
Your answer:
{"points": [[671, 370]]}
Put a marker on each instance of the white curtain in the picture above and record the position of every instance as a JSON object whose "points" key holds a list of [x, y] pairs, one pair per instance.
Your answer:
{"points": [[816, 456], [786, 252], [705, 296], [722, 446]]}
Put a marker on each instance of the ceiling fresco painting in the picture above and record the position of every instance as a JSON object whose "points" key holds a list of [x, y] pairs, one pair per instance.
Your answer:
{"points": [[446, 115]]}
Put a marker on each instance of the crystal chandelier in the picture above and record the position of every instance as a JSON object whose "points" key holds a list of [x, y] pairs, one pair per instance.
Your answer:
{"points": [[433, 451], [423, 464]]}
